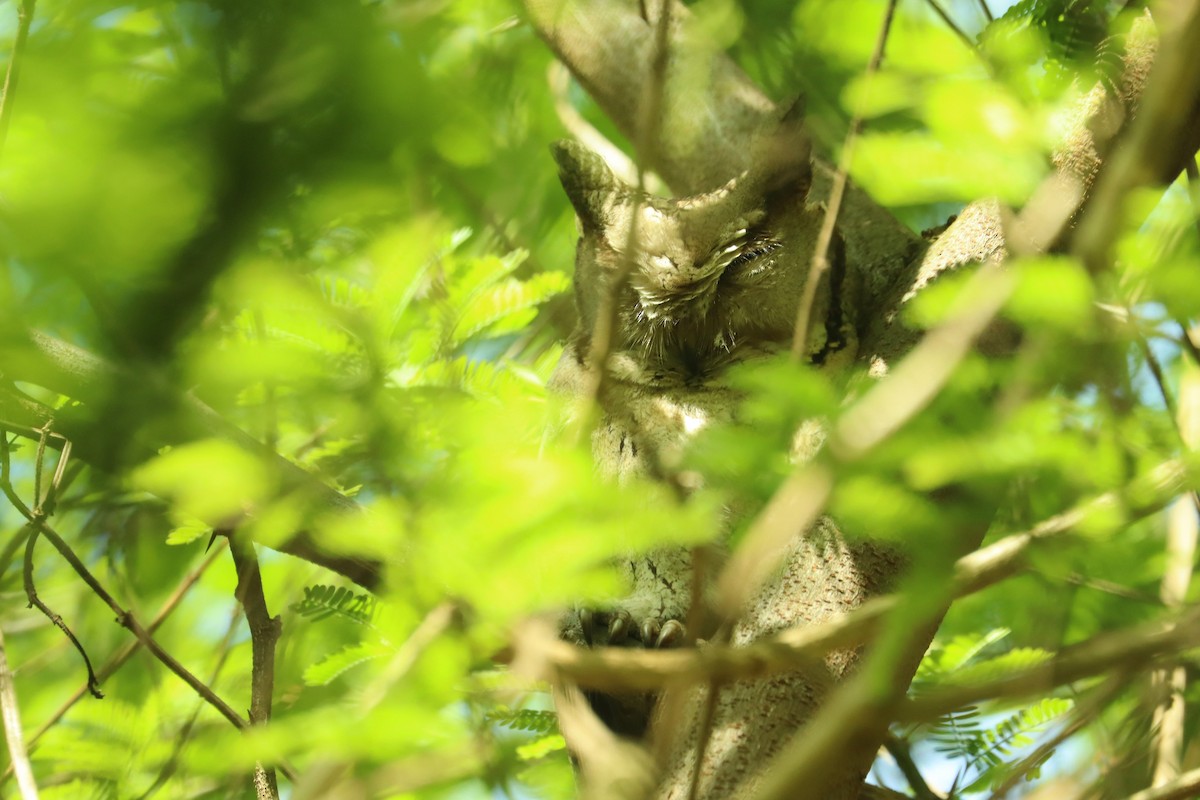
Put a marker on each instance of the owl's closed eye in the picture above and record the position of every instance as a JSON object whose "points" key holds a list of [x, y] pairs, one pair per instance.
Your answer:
{"points": [[710, 276]]}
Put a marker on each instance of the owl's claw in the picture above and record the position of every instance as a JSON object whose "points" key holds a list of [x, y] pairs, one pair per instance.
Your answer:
{"points": [[587, 623], [619, 627], [672, 634]]}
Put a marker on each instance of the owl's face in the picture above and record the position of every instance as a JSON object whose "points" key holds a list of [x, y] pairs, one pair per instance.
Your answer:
{"points": [[712, 276]]}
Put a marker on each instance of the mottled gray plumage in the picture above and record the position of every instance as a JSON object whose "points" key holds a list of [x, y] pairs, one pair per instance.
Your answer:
{"points": [[715, 279]]}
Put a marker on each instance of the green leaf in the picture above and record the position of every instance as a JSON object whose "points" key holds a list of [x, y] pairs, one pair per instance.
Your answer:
{"points": [[212, 480], [334, 665], [1053, 292]]}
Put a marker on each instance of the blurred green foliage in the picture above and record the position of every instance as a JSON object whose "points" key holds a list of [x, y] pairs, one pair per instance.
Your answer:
{"points": [[336, 225]]}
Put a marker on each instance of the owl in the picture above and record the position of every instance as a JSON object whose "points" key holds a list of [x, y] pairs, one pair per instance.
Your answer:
{"points": [[701, 283], [715, 279]]}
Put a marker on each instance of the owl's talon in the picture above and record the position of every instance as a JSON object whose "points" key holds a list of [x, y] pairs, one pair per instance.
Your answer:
{"points": [[587, 623], [673, 633], [619, 627], [650, 629]]}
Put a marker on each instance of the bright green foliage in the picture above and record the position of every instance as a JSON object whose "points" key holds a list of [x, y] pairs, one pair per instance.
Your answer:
{"points": [[986, 747], [525, 719], [984, 741], [321, 602]]}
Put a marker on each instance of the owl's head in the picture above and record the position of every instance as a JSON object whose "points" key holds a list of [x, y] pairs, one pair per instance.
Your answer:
{"points": [[710, 274]]}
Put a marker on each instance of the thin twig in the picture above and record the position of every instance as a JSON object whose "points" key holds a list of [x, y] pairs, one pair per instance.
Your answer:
{"points": [[987, 12], [24, 20], [183, 735], [264, 634], [18, 756], [6, 479], [558, 77], [1097, 700], [32, 528], [118, 660], [126, 620], [820, 258], [435, 623], [611, 767], [707, 714], [1189, 344], [608, 315], [1183, 527], [1193, 175], [959, 32], [1156, 370], [38, 461], [1184, 787], [1130, 649], [63, 479], [31, 595], [321, 779], [77, 373], [898, 748]]}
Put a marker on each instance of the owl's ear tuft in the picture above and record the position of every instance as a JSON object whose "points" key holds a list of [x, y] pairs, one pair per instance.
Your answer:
{"points": [[782, 157], [588, 181]]}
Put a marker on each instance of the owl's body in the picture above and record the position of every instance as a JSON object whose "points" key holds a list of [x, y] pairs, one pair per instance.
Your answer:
{"points": [[713, 280]]}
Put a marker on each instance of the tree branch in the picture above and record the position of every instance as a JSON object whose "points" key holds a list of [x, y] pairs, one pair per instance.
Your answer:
{"points": [[264, 633], [622, 669], [1087, 711], [898, 748], [122, 655], [25, 10], [18, 756], [1182, 788], [126, 620], [44, 361], [1183, 527], [1125, 649], [1163, 136], [185, 731]]}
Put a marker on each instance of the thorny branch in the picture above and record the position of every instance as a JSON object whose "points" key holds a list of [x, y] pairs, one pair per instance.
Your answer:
{"points": [[34, 601]]}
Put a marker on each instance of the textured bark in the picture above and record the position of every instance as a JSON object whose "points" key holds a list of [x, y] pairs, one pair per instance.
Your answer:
{"points": [[707, 132]]}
